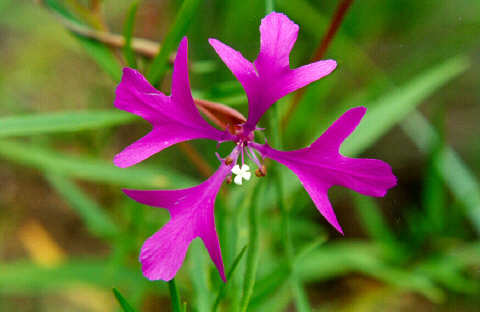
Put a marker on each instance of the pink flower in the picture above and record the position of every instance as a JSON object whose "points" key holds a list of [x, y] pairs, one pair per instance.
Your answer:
{"points": [[175, 119]]}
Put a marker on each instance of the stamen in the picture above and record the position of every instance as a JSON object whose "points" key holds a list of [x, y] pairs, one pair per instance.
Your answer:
{"points": [[241, 146], [253, 157], [261, 171]]}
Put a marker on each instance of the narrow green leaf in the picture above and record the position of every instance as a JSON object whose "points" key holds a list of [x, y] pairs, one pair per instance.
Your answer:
{"points": [[102, 55], [29, 278], [253, 249], [26, 125], [272, 282], [128, 33], [123, 303], [87, 168], [182, 21], [394, 107], [372, 220], [344, 258], [174, 296], [58, 8], [223, 287], [199, 276], [301, 299], [269, 6], [97, 221], [457, 176]]}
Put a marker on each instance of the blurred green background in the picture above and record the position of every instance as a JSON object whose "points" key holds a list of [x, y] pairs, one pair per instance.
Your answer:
{"points": [[68, 235]]}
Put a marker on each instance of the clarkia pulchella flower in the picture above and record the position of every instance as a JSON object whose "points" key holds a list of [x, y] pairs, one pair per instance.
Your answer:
{"points": [[176, 119]]}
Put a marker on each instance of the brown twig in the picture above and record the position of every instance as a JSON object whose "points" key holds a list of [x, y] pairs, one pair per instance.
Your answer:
{"points": [[196, 159], [337, 19], [141, 46]]}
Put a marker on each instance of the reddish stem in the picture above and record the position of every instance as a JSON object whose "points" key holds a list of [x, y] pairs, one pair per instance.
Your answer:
{"points": [[337, 19]]}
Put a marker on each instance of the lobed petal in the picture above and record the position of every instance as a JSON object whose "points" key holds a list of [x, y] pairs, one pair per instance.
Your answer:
{"points": [[321, 166], [174, 118], [192, 216], [270, 77]]}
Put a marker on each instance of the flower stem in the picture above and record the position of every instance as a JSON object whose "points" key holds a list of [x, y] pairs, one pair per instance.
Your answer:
{"points": [[301, 300], [174, 295]]}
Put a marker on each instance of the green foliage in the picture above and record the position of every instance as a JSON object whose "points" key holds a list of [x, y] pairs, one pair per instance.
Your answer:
{"points": [[128, 33], [421, 239], [395, 106], [178, 29], [86, 168], [123, 303], [93, 215], [28, 125]]}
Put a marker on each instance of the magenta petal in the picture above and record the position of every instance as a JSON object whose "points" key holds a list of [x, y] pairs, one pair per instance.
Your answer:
{"points": [[192, 216], [321, 166], [174, 118], [270, 77]]}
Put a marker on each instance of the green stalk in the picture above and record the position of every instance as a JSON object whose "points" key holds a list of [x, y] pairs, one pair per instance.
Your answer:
{"points": [[174, 295], [299, 295], [253, 249], [269, 6]]}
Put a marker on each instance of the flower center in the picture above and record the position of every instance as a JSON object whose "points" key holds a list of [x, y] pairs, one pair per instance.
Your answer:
{"points": [[243, 139]]}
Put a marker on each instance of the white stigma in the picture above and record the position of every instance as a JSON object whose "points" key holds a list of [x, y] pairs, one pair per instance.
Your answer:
{"points": [[241, 173]]}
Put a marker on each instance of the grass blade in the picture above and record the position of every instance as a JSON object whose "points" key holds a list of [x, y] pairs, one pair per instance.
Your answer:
{"points": [[97, 221], [253, 249], [394, 107], [26, 125], [372, 220], [174, 296], [102, 55], [182, 21], [51, 161], [199, 276], [128, 33], [457, 176], [123, 303], [223, 287]]}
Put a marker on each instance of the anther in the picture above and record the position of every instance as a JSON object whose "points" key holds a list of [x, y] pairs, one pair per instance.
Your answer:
{"points": [[229, 179], [228, 161], [261, 172]]}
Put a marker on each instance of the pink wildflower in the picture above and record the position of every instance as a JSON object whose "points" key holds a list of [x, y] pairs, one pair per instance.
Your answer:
{"points": [[175, 119]]}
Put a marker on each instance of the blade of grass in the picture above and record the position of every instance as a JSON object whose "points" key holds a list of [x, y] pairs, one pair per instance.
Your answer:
{"points": [[434, 196], [128, 33], [347, 257], [277, 278], [174, 296], [102, 55], [457, 176], [199, 276], [27, 125], [223, 287], [179, 27], [395, 106], [28, 278], [51, 161], [123, 303], [253, 248], [372, 220], [97, 221]]}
